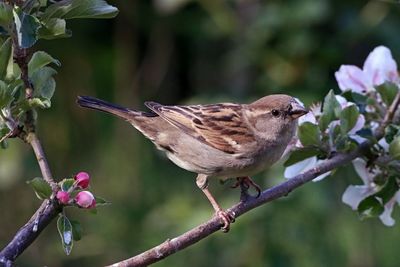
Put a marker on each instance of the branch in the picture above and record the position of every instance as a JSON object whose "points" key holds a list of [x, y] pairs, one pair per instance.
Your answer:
{"points": [[33, 140], [25, 236], [176, 244]]}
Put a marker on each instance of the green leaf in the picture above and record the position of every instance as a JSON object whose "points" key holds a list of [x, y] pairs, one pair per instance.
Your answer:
{"points": [[5, 95], [101, 201], [388, 91], [330, 110], [41, 187], [394, 148], [72, 9], [301, 154], [388, 190], [348, 118], [26, 27], [43, 82], [391, 131], [36, 103], [66, 184], [39, 60], [370, 207], [5, 54], [309, 134], [64, 227], [6, 14], [76, 230], [54, 28]]}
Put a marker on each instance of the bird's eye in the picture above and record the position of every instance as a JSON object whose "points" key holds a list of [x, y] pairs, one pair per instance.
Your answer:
{"points": [[275, 113]]}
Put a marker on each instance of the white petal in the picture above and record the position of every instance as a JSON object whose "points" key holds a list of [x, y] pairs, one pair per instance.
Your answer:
{"points": [[360, 167], [308, 117], [359, 124], [354, 194], [380, 66], [322, 176], [358, 138], [299, 167], [384, 144], [386, 216], [352, 78]]}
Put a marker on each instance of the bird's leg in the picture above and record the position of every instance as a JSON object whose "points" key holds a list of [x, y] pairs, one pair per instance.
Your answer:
{"points": [[245, 183], [227, 218]]}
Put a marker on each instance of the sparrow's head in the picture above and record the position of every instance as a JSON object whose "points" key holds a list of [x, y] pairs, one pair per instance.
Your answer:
{"points": [[275, 114]]}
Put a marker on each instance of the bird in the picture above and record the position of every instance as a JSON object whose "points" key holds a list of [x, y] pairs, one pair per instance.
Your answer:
{"points": [[224, 140]]}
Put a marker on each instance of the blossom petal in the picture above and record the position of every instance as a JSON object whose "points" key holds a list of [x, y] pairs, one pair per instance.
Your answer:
{"points": [[359, 124], [354, 194], [352, 78], [380, 66], [310, 117], [299, 167], [386, 216], [321, 177], [360, 166]]}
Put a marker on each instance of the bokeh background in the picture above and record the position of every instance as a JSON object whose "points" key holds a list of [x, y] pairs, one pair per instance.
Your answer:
{"points": [[197, 51]]}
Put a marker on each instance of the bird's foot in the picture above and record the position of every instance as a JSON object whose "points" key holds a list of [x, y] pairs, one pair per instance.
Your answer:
{"points": [[245, 183], [227, 218]]}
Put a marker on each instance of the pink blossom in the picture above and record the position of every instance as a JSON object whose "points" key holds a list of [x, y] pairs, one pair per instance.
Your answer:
{"points": [[85, 199], [82, 179], [378, 68], [63, 197]]}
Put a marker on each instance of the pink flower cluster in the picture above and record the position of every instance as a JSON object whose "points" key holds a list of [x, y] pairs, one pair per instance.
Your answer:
{"points": [[83, 199]]}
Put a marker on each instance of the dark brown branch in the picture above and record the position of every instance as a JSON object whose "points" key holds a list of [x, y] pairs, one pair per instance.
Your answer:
{"points": [[29, 232], [176, 244], [388, 117]]}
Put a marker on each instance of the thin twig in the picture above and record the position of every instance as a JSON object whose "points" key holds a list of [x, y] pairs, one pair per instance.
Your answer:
{"points": [[176, 244], [388, 117], [33, 140]]}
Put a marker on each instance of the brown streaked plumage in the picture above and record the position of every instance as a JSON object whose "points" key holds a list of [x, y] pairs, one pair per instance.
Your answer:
{"points": [[215, 140]]}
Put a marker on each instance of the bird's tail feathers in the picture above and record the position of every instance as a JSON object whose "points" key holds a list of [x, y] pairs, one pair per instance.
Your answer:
{"points": [[98, 104]]}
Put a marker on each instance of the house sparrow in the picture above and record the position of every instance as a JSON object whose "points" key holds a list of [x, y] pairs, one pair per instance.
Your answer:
{"points": [[216, 140]]}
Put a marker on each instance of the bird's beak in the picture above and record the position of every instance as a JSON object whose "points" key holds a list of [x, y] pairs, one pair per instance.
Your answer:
{"points": [[297, 111]]}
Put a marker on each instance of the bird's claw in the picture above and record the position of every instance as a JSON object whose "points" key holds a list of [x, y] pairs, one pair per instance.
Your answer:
{"points": [[246, 183], [227, 218]]}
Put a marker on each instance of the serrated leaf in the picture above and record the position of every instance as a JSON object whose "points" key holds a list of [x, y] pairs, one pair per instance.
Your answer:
{"points": [[26, 27], [72, 9], [370, 207], [394, 148], [5, 95], [76, 230], [66, 184], [5, 14], [40, 59], [64, 227], [348, 118], [301, 154], [309, 134], [388, 91], [101, 201], [5, 55], [330, 110], [41, 187], [43, 82], [54, 28]]}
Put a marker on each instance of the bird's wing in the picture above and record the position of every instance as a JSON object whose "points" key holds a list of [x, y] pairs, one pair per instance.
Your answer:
{"points": [[218, 125]]}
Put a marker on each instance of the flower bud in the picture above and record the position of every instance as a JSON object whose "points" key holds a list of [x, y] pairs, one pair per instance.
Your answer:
{"points": [[85, 199], [63, 197], [82, 179]]}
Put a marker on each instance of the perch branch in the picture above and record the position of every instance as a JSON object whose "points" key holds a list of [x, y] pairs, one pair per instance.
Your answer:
{"points": [[194, 235]]}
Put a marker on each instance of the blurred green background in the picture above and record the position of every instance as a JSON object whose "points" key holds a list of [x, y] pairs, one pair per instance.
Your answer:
{"points": [[197, 51]]}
